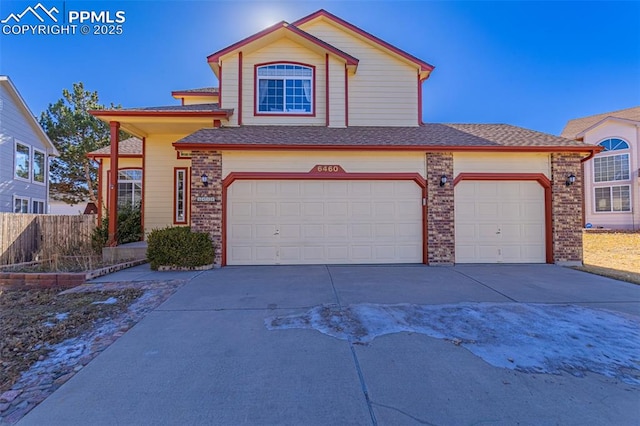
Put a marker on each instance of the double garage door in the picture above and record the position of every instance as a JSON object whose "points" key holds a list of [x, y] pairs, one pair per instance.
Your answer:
{"points": [[337, 222], [323, 222]]}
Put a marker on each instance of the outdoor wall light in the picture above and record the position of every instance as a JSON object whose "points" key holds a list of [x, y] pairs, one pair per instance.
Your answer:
{"points": [[205, 179], [571, 179], [443, 180]]}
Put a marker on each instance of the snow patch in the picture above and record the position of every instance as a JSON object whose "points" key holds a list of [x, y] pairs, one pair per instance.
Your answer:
{"points": [[109, 301], [533, 338]]}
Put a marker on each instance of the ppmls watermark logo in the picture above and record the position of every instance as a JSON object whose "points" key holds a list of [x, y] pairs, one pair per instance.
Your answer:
{"points": [[42, 20]]}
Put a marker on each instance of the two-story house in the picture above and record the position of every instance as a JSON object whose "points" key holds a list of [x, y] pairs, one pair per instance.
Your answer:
{"points": [[24, 155], [611, 179], [313, 150]]}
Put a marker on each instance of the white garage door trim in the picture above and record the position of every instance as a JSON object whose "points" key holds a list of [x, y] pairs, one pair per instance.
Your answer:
{"points": [[537, 178], [352, 180]]}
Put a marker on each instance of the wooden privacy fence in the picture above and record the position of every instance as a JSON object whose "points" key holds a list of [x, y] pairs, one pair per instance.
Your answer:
{"points": [[29, 237]]}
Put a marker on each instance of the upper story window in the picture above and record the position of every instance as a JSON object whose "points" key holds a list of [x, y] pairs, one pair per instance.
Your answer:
{"points": [[284, 89], [23, 161], [607, 168]]}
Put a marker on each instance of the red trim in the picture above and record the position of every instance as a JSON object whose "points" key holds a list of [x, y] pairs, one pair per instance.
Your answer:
{"points": [[424, 66], [232, 177], [326, 89], [346, 97], [180, 157], [537, 177], [114, 127], [425, 237], [182, 101], [144, 186], [239, 88], [215, 57], [220, 88], [186, 195], [129, 113], [419, 101], [420, 148], [94, 156], [281, 114], [100, 192]]}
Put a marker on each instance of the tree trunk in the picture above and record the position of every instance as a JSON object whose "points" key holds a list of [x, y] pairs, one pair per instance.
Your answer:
{"points": [[87, 176]]}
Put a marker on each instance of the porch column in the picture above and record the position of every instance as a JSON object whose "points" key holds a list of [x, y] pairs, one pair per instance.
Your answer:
{"points": [[112, 207], [566, 207]]}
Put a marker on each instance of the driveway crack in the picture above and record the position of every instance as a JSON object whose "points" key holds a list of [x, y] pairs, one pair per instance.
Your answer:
{"points": [[483, 284], [421, 421]]}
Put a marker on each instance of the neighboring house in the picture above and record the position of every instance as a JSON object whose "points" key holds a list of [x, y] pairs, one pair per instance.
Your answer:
{"points": [[24, 155], [611, 179], [313, 150]]}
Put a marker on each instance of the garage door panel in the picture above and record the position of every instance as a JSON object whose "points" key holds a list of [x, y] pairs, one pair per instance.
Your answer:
{"points": [[499, 221], [325, 222]]}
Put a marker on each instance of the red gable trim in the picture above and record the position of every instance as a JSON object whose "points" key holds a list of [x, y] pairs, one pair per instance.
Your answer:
{"points": [[215, 57], [129, 113], [424, 66]]}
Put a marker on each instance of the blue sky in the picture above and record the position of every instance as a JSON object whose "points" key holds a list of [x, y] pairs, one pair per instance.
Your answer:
{"points": [[532, 64]]}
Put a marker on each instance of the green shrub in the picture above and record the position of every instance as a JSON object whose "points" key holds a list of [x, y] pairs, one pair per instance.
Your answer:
{"points": [[129, 228], [178, 246]]}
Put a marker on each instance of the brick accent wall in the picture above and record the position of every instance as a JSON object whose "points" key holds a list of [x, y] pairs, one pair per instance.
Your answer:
{"points": [[206, 216], [566, 208], [440, 210]]}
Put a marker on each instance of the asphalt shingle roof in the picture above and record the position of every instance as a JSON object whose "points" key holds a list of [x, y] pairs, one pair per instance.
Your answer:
{"points": [[179, 108], [212, 90], [578, 125], [428, 135], [131, 146]]}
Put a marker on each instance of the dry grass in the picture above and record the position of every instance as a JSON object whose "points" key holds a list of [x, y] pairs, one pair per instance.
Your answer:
{"points": [[28, 323], [615, 255]]}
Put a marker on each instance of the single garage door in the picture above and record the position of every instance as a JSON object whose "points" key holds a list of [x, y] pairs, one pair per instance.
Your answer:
{"points": [[499, 221], [323, 222]]}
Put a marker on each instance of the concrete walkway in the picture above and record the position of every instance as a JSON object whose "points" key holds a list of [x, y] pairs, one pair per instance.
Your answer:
{"points": [[206, 357]]}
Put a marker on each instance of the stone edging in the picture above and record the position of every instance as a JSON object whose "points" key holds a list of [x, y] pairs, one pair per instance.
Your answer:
{"points": [[61, 280]]}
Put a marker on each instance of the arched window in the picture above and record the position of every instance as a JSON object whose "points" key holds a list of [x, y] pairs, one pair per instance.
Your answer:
{"points": [[129, 187], [613, 144], [612, 165], [284, 89]]}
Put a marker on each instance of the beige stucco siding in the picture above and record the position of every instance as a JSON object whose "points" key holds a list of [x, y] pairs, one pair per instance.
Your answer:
{"points": [[336, 93], [631, 134], [158, 197], [303, 162], [384, 90], [229, 86], [284, 50], [501, 163]]}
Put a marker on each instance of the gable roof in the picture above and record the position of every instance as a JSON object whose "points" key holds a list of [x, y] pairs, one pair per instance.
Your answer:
{"points": [[428, 137], [131, 147], [6, 82], [285, 28], [425, 67], [575, 127]]}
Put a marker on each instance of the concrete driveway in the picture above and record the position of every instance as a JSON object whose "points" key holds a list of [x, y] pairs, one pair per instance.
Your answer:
{"points": [[206, 357]]}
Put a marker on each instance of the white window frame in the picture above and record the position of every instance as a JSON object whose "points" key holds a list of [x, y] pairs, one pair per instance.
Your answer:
{"points": [[38, 200], [284, 79], [132, 182], [595, 200], [177, 197], [15, 161], [44, 166], [22, 199], [613, 154]]}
